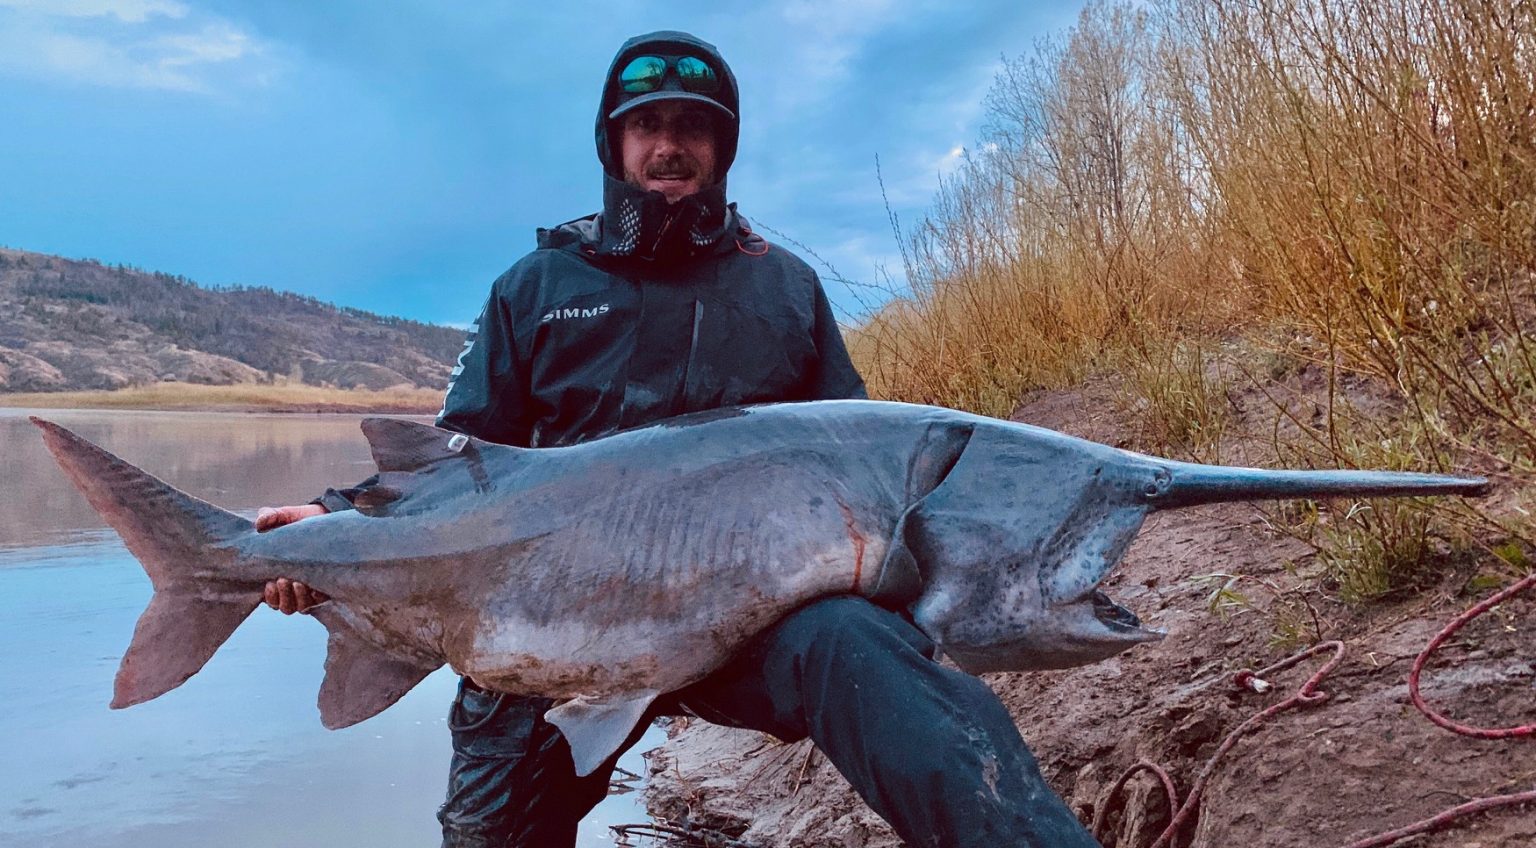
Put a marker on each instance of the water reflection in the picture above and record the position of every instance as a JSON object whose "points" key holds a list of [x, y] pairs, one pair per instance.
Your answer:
{"points": [[237, 756], [237, 461]]}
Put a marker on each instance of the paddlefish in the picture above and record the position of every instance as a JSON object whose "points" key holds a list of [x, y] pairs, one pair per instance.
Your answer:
{"points": [[607, 573]]}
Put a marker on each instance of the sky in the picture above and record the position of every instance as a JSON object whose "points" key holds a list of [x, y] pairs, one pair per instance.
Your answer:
{"points": [[397, 157]]}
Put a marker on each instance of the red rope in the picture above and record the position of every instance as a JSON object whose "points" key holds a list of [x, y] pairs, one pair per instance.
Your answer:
{"points": [[1418, 666], [1445, 818], [1125, 777], [1308, 695]]}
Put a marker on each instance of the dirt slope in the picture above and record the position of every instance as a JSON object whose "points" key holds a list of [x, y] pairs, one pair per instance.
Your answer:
{"points": [[1363, 762]]}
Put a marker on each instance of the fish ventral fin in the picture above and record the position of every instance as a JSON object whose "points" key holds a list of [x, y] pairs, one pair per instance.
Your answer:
{"points": [[408, 445], [361, 681], [596, 729]]}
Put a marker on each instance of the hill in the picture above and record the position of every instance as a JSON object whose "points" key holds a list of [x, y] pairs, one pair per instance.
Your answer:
{"points": [[70, 325]]}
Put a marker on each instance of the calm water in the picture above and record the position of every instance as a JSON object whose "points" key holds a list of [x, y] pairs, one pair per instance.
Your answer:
{"points": [[237, 755]]}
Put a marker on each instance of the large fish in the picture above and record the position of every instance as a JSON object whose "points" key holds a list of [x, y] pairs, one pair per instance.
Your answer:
{"points": [[613, 571]]}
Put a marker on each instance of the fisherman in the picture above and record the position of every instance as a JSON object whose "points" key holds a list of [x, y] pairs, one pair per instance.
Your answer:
{"points": [[663, 303]]}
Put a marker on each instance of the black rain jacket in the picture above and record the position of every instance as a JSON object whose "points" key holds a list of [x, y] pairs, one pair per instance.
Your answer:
{"points": [[573, 345]]}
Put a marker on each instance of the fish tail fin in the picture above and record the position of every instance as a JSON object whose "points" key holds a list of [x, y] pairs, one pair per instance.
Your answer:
{"points": [[179, 540]]}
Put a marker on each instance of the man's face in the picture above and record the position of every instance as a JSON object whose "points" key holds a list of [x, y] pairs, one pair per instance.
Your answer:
{"points": [[669, 147]]}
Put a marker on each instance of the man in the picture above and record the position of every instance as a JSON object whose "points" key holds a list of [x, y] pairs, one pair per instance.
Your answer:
{"points": [[664, 303]]}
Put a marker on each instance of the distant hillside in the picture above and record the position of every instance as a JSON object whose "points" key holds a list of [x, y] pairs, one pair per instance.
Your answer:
{"points": [[77, 324]]}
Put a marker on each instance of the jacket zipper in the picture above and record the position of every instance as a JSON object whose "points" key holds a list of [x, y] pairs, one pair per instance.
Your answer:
{"points": [[693, 349], [661, 233]]}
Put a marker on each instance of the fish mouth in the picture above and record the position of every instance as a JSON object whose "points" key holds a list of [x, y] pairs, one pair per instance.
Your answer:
{"points": [[1119, 618]]}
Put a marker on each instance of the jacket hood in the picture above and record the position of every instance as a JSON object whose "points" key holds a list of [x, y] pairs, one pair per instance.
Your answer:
{"points": [[668, 43]]}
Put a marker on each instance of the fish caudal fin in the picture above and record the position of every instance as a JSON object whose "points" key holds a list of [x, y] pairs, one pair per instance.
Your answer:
{"points": [[176, 634], [178, 539]]}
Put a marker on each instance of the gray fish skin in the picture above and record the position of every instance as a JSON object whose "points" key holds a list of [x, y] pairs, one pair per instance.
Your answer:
{"points": [[615, 570]]}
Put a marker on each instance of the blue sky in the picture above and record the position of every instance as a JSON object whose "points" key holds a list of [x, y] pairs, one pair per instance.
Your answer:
{"points": [[398, 156]]}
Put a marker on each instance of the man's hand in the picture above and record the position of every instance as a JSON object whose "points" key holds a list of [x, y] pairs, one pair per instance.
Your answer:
{"points": [[284, 595], [271, 518]]}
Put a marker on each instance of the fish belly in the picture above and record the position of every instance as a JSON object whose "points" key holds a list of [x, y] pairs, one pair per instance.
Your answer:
{"points": [[651, 643]]}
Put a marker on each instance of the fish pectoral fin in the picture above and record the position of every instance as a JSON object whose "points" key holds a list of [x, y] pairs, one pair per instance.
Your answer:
{"points": [[595, 729], [390, 487], [360, 680]]}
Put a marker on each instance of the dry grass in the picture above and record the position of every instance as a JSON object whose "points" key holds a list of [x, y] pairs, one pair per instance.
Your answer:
{"points": [[240, 398], [1202, 196]]}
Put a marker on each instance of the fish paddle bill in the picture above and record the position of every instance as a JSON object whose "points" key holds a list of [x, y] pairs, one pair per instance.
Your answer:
{"points": [[179, 540], [596, 730]]}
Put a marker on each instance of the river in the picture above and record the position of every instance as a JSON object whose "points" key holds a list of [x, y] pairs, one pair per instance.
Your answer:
{"points": [[236, 756]]}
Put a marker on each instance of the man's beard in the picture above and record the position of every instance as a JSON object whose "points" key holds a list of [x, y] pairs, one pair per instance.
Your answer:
{"points": [[672, 168]]}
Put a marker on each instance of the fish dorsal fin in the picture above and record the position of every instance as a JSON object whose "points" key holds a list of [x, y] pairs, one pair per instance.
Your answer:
{"points": [[421, 465], [360, 680], [597, 729], [408, 446]]}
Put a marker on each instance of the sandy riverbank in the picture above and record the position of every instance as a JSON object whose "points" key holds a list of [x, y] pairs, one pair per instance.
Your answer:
{"points": [[237, 398]]}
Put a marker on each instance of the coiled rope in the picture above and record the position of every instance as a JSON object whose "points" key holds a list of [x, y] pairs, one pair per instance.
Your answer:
{"points": [[1309, 696], [1423, 658], [1446, 817]]}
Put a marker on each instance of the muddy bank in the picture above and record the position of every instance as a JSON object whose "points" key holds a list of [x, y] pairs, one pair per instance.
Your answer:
{"points": [[1362, 762]]}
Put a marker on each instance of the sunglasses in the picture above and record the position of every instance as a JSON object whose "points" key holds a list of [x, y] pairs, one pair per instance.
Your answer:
{"points": [[647, 73]]}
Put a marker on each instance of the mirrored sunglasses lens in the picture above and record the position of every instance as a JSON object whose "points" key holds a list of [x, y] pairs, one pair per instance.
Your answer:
{"points": [[697, 76], [643, 74]]}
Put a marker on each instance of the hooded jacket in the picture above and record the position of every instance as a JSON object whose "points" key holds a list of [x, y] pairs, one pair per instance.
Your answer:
{"points": [[643, 311]]}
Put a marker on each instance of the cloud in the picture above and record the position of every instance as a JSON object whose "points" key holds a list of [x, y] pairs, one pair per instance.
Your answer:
{"points": [[145, 44], [129, 11], [826, 39], [214, 43]]}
